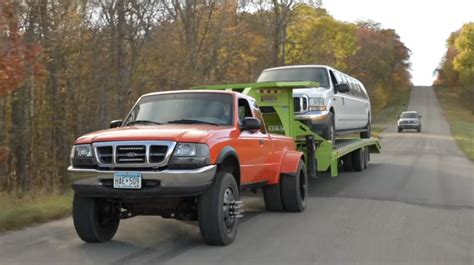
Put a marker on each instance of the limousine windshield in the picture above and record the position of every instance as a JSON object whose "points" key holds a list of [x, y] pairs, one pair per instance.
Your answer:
{"points": [[319, 75]]}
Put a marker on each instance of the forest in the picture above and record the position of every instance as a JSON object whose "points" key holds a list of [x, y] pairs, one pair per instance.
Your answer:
{"points": [[456, 69], [68, 67]]}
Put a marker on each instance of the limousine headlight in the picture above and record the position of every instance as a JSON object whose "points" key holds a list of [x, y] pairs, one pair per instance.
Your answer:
{"points": [[317, 104]]}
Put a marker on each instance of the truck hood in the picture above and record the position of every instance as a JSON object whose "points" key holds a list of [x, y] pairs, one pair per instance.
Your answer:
{"points": [[313, 92], [175, 132]]}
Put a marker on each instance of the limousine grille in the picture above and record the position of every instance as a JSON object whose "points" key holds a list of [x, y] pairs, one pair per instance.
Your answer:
{"points": [[128, 154], [300, 104]]}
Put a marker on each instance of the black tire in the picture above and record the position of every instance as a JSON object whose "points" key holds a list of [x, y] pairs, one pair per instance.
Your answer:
{"points": [[216, 225], [294, 190], [272, 198], [366, 157], [95, 220], [347, 164], [368, 130], [419, 129], [330, 132], [358, 159], [400, 130]]}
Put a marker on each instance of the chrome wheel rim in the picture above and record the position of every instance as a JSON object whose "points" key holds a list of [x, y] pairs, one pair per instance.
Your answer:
{"points": [[228, 209]]}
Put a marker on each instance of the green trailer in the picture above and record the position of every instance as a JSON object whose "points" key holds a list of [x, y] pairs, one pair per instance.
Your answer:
{"points": [[275, 100]]}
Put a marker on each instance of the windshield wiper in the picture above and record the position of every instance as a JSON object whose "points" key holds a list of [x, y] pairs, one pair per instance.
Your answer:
{"points": [[190, 121], [143, 122]]}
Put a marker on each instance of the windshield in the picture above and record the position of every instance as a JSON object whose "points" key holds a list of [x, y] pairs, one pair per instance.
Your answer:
{"points": [[319, 75], [410, 115], [185, 108]]}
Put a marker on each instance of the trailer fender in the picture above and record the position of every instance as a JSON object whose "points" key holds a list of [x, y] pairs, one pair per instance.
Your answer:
{"points": [[289, 163]]}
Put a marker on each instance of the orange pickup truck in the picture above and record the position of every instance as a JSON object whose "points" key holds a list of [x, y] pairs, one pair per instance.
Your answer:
{"points": [[183, 155]]}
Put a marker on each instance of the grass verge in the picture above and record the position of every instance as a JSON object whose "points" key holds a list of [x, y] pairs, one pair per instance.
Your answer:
{"points": [[17, 213], [460, 119], [389, 114]]}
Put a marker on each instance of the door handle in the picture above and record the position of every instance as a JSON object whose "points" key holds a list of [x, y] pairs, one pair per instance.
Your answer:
{"points": [[261, 141]]}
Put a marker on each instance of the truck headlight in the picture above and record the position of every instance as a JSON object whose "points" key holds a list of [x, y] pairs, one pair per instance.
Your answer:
{"points": [[316, 104], [82, 156], [190, 155], [81, 151]]}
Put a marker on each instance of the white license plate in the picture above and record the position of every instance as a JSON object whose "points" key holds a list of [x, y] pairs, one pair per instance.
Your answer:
{"points": [[127, 180]]}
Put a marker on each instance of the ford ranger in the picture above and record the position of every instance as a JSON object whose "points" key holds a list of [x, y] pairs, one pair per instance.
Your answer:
{"points": [[183, 155]]}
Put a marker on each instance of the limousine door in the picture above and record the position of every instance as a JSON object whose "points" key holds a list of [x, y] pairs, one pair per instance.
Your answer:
{"points": [[338, 103]]}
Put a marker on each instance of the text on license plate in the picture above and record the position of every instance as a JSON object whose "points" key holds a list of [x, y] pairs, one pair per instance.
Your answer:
{"points": [[127, 180]]}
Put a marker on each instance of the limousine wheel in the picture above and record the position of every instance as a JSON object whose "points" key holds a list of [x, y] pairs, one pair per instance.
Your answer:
{"points": [[330, 132], [368, 130]]}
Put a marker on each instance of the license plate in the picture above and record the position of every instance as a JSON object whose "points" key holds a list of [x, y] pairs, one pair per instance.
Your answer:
{"points": [[127, 180]]}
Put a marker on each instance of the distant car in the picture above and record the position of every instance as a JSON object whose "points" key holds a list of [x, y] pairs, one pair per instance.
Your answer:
{"points": [[339, 105], [409, 120]]}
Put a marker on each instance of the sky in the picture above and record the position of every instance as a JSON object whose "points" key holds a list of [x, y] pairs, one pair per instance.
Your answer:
{"points": [[423, 25]]}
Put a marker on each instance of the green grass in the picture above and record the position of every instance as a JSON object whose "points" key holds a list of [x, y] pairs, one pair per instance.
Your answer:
{"points": [[17, 213], [460, 119], [389, 114]]}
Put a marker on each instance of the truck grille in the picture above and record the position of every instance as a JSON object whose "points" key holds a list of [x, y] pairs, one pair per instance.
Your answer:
{"points": [[133, 154], [300, 104]]}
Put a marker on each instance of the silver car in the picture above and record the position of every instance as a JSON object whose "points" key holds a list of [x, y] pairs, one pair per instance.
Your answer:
{"points": [[409, 120]]}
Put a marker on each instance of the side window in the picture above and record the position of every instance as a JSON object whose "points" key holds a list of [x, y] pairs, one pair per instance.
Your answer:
{"points": [[244, 109], [364, 92], [339, 78]]}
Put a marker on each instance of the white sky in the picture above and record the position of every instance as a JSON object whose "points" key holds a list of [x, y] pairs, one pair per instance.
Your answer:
{"points": [[423, 25]]}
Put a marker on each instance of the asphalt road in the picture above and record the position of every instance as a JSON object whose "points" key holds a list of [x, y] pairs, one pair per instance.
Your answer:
{"points": [[413, 205]]}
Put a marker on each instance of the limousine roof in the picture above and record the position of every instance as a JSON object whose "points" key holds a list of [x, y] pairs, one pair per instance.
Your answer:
{"points": [[300, 66], [308, 66]]}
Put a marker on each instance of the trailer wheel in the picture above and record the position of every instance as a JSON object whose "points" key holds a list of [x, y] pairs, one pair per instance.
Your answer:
{"points": [[218, 210], [347, 164], [366, 157], [358, 159], [272, 198], [294, 189], [95, 220]]}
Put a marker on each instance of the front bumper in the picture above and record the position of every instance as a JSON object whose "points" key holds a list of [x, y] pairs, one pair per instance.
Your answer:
{"points": [[408, 126], [317, 119], [155, 184]]}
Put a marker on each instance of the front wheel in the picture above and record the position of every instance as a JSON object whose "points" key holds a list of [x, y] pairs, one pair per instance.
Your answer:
{"points": [[95, 220], [219, 210], [330, 132]]}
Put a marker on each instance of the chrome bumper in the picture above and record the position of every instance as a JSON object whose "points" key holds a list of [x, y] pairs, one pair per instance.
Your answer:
{"points": [[318, 119], [91, 182]]}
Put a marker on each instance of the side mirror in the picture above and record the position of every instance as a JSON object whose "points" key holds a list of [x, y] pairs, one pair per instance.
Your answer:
{"points": [[250, 124], [343, 88], [115, 123], [419, 116]]}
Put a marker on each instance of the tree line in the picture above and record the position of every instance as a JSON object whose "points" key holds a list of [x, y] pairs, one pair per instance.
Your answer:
{"points": [[456, 69], [69, 67]]}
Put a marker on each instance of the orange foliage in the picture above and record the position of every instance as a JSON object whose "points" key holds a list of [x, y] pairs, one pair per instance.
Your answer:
{"points": [[16, 55]]}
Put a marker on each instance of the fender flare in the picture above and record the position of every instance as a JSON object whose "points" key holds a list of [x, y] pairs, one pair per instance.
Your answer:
{"points": [[225, 152], [289, 163]]}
